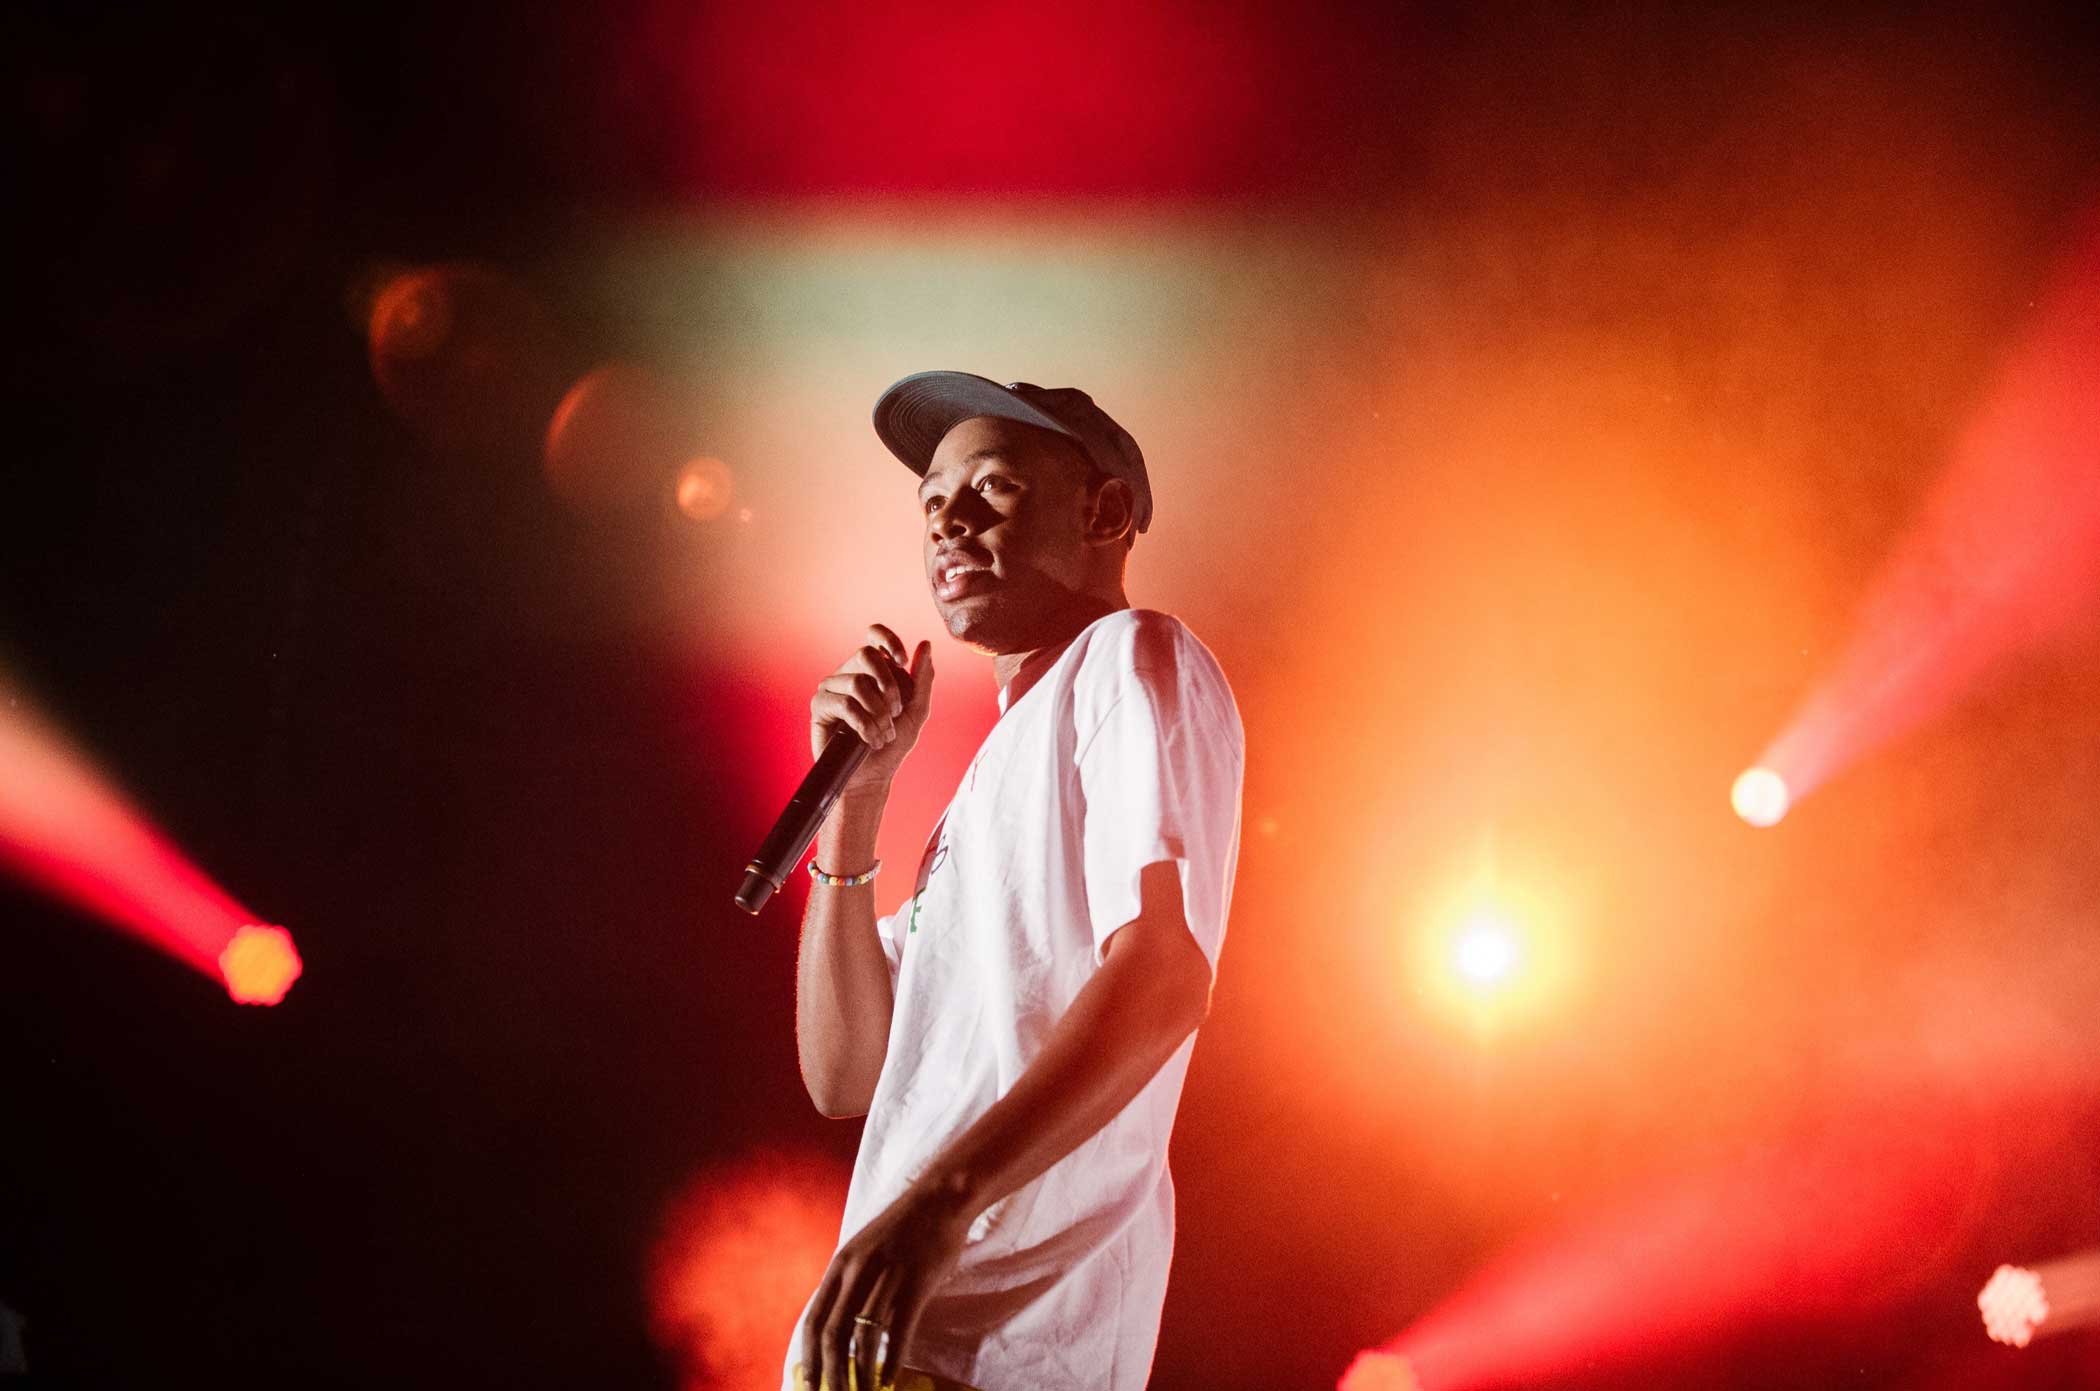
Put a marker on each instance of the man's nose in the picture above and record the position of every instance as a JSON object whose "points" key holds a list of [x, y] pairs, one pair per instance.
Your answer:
{"points": [[951, 519]]}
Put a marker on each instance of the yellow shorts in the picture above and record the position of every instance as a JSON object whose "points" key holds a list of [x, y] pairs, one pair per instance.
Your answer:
{"points": [[908, 1379]]}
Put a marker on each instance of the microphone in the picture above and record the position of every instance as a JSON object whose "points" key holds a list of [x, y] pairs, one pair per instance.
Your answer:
{"points": [[786, 843]]}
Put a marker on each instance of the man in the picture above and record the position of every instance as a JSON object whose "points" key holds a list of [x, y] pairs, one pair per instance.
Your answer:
{"points": [[1017, 1031]]}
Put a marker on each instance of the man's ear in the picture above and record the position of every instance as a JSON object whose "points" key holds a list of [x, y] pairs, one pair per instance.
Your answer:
{"points": [[1111, 512]]}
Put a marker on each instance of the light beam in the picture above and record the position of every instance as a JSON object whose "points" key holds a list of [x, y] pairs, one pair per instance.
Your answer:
{"points": [[2003, 556], [64, 828]]}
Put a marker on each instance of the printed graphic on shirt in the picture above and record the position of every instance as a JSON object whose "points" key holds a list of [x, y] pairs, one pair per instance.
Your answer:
{"points": [[936, 855]]}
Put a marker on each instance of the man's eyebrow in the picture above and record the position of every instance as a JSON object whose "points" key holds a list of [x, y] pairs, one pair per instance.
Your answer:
{"points": [[989, 452]]}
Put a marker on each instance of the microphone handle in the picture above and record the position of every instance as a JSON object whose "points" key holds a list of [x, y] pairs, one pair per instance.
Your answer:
{"points": [[785, 845]]}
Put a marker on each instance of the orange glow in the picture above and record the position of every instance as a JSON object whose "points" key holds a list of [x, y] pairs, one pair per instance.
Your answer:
{"points": [[259, 965], [1493, 953], [740, 1252], [1379, 1371], [704, 489]]}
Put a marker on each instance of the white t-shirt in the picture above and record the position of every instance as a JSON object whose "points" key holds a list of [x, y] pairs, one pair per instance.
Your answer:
{"points": [[1126, 752]]}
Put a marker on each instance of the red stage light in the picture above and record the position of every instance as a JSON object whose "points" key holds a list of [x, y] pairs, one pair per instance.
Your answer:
{"points": [[259, 965], [1797, 1230], [64, 828]]}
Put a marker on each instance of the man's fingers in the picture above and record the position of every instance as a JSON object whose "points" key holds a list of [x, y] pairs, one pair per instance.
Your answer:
{"points": [[880, 665], [905, 1303], [880, 635], [852, 1298], [857, 702], [812, 1326], [871, 1331]]}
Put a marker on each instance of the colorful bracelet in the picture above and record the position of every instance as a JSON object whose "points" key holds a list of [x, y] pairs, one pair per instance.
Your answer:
{"points": [[845, 881]]}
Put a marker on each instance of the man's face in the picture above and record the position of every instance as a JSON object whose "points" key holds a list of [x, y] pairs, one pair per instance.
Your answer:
{"points": [[1005, 508]]}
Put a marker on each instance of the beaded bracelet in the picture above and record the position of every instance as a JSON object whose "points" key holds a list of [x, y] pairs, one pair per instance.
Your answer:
{"points": [[845, 881]]}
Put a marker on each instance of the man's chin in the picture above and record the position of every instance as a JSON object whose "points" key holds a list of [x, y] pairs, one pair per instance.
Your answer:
{"points": [[989, 628]]}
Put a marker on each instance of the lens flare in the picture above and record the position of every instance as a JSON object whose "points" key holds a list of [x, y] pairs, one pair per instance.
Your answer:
{"points": [[703, 489], [1760, 797], [618, 433]]}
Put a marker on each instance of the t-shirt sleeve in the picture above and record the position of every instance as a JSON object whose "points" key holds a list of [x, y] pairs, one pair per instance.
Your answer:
{"points": [[890, 930], [1159, 773]]}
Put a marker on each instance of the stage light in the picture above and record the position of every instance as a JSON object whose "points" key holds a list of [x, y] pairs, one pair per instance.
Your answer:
{"points": [[2013, 1305], [259, 964], [703, 489], [1492, 953], [1759, 797], [1488, 949], [66, 829], [2019, 1305], [1379, 1371]]}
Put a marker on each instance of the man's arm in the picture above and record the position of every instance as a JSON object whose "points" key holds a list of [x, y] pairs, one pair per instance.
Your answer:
{"points": [[1151, 991], [843, 996]]}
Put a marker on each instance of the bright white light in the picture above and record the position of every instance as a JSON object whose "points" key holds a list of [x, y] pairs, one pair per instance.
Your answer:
{"points": [[1760, 797], [1486, 951], [2013, 1305]]}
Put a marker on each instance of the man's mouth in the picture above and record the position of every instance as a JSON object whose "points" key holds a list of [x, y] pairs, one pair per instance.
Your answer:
{"points": [[955, 578]]}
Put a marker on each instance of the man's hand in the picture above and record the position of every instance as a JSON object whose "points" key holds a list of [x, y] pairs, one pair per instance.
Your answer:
{"points": [[869, 1301], [863, 696]]}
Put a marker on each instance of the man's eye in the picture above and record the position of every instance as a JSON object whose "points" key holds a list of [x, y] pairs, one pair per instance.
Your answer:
{"points": [[993, 482], [929, 504]]}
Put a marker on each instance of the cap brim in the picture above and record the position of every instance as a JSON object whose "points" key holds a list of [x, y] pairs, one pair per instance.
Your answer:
{"points": [[916, 414]]}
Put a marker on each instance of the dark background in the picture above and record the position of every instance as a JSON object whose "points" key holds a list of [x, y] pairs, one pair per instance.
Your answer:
{"points": [[353, 671]]}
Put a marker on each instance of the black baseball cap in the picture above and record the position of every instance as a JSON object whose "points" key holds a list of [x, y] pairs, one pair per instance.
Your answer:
{"points": [[915, 414]]}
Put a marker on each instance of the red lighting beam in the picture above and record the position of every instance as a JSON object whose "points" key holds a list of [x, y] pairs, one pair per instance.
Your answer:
{"points": [[1796, 1232], [2004, 554], [66, 830]]}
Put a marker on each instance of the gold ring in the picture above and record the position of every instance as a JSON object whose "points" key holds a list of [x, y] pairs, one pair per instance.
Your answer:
{"points": [[865, 1322]]}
